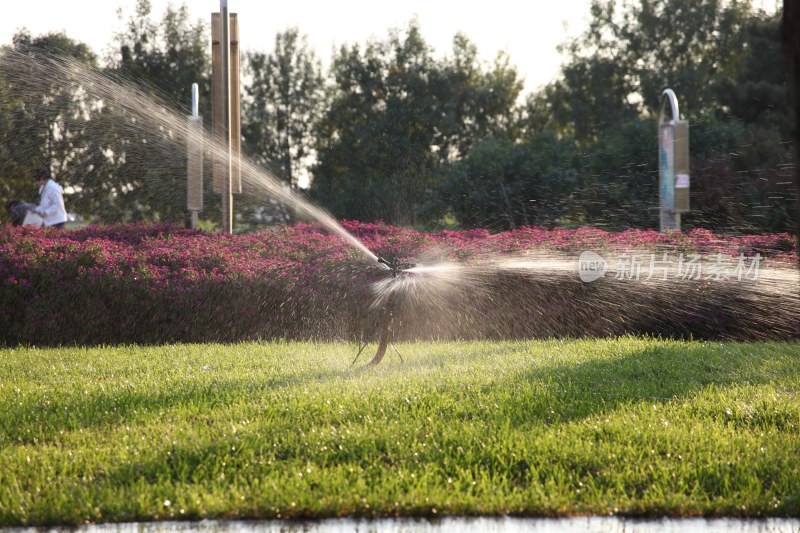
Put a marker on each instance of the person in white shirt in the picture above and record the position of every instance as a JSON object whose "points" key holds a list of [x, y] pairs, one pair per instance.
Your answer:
{"points": [[51, 200]]}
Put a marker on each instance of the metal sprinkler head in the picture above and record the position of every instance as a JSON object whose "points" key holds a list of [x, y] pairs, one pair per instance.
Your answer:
{"points": [[395, 265]]}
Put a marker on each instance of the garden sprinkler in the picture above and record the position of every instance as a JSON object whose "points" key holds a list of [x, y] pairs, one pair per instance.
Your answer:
{"points": [[396, 267]]}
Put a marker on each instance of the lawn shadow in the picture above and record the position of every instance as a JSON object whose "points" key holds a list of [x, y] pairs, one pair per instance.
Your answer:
{"points": [[31, 420], [656, 373]]}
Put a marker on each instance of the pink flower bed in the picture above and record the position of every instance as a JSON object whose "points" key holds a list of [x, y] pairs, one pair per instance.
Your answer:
{"points": [[161, 283], [471, 243]]}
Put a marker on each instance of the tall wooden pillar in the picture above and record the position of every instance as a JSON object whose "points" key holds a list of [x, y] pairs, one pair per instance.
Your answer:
{"points": [[226, 110]]}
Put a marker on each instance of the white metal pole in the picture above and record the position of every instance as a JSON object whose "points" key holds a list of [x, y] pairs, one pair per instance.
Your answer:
{"points": [[195, 114], [195, 100]]}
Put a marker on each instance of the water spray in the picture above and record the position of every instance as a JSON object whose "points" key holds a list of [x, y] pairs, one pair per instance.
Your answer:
{"points": [[396, 268]]}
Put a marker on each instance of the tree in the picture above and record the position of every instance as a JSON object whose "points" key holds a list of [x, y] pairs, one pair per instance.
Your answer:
{"points": [[722, 59], [285, 97], [395, 115], [588, 100], [757, 93], [617, 69], [502, 185], [619, 189], [685, 45], [375, 141], [158, 62], [45, 116], [165, 57], [477, 101], [790, 39]]}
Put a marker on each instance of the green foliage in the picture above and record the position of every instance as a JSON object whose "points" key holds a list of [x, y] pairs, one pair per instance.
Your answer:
{"points": [[756, 94], [114, 166], [44, 125], [285, 99], [476, 100], [503, 185], [147, 178], [547, 180], [684, 45], [167, 56], [740, 177], [398, 134], [620, 184], [395, 115], [723, 60], [288, 430], [588, 101]]}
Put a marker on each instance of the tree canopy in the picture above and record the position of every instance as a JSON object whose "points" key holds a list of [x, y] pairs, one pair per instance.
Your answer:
{"points": [[397, 132], [396, 114], [44, 121]]}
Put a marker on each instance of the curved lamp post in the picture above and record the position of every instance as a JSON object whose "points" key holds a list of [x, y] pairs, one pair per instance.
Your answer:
{"points": [[673, 164]]}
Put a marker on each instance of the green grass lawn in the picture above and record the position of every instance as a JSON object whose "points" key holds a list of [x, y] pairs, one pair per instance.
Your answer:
{"points": [[628, 426]]}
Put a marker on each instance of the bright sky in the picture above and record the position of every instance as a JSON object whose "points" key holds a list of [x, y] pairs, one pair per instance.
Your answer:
{"points": [[528, 31]]}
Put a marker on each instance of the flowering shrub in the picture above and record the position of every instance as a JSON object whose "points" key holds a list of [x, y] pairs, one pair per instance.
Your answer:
{"points": [[392, 240], [161, 283]]}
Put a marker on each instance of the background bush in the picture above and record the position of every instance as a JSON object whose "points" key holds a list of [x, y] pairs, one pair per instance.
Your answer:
{"points": [[159, 283]]}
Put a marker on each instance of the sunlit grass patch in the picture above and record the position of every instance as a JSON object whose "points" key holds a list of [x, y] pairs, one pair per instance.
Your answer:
{"points": [[630, 426]]}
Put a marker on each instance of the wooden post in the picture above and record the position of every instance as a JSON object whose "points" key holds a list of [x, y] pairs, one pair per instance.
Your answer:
{"points": [[235, 108], [226, 110]]}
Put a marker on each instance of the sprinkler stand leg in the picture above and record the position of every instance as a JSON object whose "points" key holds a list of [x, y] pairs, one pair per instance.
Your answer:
{"points": [[386, 323], [398, 353], [382, 343], [361, 349]]}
